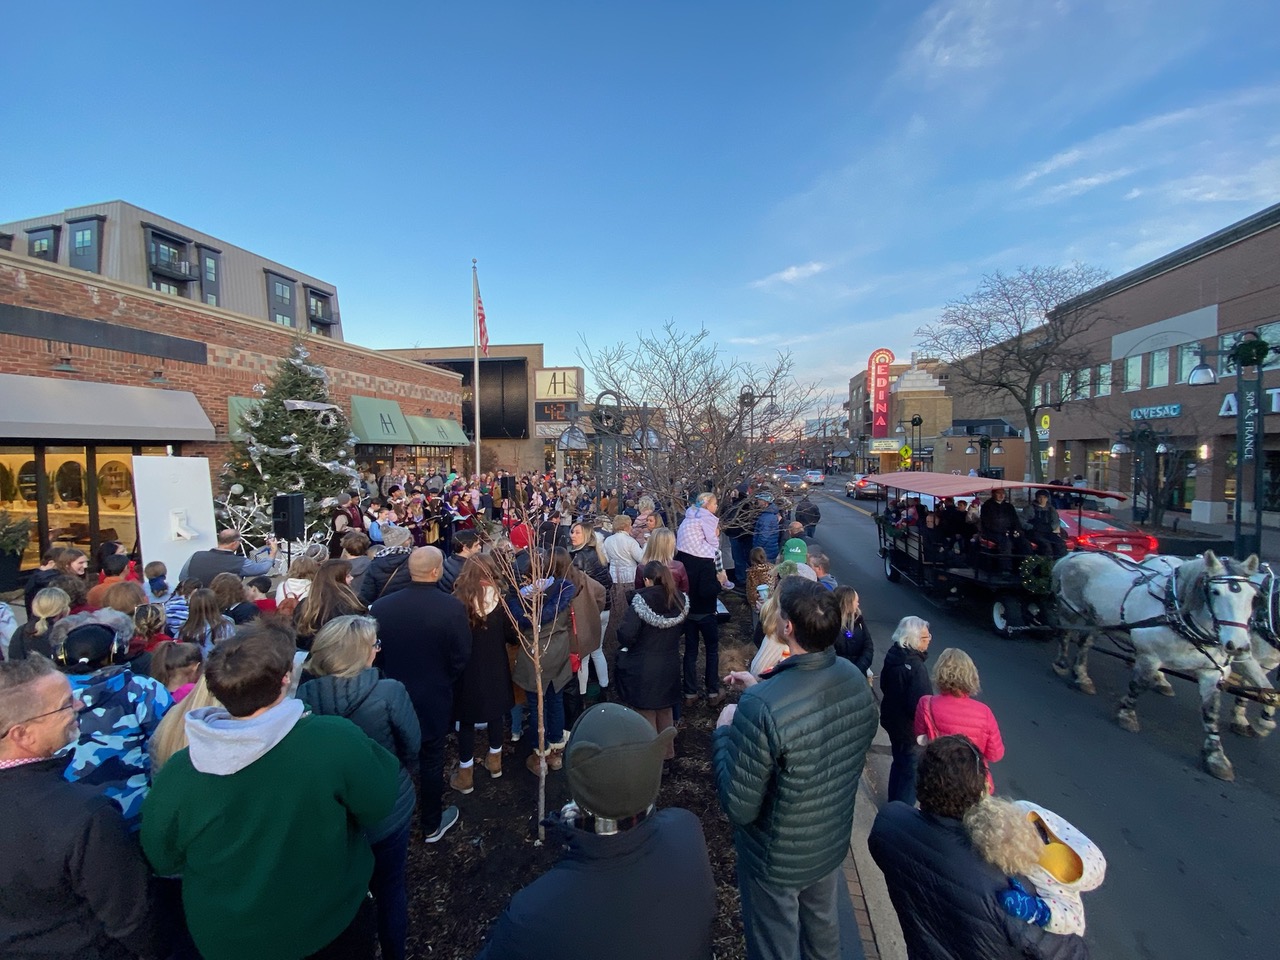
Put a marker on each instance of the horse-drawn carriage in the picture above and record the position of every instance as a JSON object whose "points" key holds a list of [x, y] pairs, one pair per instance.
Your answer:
{"points": [[1215, 621], [965, 567]]}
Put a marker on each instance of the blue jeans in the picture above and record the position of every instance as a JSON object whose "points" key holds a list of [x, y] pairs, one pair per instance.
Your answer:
{"points": [[902, 774], [390, 893], [709, 630], [552, 715], [741, 550]]}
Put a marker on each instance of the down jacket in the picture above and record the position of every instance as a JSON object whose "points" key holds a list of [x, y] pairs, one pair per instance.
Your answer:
{"points": [[383, 710], [787, 767], [945, 894], [648, 665], [554, 638], [963, 715], [903, 681]]}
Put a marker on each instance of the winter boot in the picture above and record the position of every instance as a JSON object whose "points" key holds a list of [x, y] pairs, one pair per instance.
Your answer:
{"points": [[493, 763], [534, 763], [463, 779]]}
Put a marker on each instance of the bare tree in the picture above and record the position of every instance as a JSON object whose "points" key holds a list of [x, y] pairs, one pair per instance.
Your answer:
{"points": [[1015, 332], [715, 420], [522, 581]]}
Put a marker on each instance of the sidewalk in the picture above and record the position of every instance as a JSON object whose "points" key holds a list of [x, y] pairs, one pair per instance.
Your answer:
{"points": [[1227, 531], [877, 921]]}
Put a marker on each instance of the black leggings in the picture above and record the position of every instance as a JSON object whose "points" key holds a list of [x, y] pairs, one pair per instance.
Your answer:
{"points": [[467, 737]]}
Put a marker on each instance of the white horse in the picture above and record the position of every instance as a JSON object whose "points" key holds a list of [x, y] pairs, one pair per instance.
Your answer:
{"points": [[1191, 615], [1252, 671]]}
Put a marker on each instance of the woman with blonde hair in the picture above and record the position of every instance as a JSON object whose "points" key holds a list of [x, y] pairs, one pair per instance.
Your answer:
{"points": [[297, 584], [347, 685], [171, 735], [772, 649], [661, 546], [623, 555], [48, 606], [954, 711]]}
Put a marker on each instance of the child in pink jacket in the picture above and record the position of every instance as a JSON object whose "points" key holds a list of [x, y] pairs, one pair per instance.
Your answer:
{"points": [[954, 711]]}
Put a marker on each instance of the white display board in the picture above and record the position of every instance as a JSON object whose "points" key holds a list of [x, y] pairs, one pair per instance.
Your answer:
{"points": [[175, 509]]}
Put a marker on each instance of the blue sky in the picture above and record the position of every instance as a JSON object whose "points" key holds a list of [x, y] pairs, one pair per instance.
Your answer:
{"points": [[818, 177]]}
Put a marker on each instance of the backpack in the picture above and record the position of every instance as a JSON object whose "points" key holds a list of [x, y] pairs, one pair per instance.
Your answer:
{"points": [[288, 605]]}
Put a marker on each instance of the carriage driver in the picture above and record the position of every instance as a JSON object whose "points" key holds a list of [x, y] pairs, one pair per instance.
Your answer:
{"points": [[998, 522], [1040, 519]]}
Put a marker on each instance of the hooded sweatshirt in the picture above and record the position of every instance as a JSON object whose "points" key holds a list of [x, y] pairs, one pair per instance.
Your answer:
{"points": [[121, 713], [265, 819]]}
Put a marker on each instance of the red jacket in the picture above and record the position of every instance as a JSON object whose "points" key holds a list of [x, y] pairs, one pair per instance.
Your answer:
{"points": [[960, 714]]}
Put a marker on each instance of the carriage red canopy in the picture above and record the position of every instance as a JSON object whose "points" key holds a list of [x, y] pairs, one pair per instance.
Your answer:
{"points": [[952, 485]]}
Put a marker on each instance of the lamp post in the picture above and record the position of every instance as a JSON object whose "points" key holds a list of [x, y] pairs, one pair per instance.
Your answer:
{"points": [[1250, 352], [985, 448], [916, 435], [1145, 443], [606, 421], [862, 465]]}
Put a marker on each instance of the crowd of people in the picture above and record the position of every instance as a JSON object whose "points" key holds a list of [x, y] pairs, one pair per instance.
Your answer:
{"points": [[232, 765]]}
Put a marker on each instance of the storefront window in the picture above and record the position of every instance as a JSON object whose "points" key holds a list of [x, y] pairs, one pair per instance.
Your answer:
{"points": [[66, 501], [117, 513], [18, 494]]}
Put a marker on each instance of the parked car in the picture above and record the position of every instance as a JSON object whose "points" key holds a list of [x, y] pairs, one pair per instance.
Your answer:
{"points": [[816, 478], [860, 488], [1092, 530]]}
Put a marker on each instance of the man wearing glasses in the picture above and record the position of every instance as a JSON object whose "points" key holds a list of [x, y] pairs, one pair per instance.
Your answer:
{"points": [[73, 882]]}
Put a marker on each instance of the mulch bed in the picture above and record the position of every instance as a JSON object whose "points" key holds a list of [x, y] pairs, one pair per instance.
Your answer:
{"points": [[459, 886]]}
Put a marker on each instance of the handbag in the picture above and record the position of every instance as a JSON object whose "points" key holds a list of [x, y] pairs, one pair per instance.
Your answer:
{"points": [[931, 728]]}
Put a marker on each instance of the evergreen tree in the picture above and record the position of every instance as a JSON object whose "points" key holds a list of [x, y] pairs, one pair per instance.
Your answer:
{"points": [[294, 439]]}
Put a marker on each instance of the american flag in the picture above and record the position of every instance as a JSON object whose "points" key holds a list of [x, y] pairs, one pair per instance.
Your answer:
{"points": [[480, 324]]}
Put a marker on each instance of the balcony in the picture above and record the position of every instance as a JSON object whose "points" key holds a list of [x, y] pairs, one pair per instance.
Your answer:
{"points": [[324, 316], [174, 269]]}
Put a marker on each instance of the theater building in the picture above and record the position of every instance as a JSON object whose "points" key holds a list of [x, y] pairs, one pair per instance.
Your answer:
{"points": [[102, 359]]}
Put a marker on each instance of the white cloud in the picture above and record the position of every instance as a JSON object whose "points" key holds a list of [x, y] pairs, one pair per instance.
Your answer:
{"points": [[1080, 185], [958, 35], [791, 275]]}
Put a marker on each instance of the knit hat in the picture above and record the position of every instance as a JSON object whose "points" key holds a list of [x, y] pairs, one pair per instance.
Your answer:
{"points": [[396, 536], [795, 550], [88, 644], [614, 761]]}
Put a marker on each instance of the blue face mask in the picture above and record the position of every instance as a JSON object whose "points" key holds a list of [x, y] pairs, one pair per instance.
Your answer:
{"points": [[158, 585]]}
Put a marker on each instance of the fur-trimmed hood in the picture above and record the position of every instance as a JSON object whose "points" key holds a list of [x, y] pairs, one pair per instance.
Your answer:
{"points": [[649, 605]]}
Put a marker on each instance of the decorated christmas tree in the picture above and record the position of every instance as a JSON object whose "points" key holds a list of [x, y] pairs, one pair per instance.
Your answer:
{"points": [[293, 439]]}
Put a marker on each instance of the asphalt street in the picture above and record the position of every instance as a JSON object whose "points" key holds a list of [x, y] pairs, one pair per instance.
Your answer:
{"points": [[1191, 859]]}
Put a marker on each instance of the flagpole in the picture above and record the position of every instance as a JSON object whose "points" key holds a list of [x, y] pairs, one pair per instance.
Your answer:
{"points": [[475, 358]]}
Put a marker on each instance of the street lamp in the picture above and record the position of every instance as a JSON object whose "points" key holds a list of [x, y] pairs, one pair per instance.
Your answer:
{"points": [[917, 436], [985, 448], [1249, 352], [1145, 443], [606, 421]]}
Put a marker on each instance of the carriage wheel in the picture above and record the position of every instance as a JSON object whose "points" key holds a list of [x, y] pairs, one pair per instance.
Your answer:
{"points": [[1006, 612], [891, 572]]}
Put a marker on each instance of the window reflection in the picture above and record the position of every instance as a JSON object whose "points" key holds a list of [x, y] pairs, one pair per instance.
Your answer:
{"points": [[18, 494]]}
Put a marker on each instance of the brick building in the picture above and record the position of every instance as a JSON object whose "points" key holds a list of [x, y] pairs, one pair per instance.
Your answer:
{"points": [[94, 370]]}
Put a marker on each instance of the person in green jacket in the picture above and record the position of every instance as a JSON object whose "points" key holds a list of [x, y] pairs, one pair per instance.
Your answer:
{"points": [[264, 817], [787, 759]]}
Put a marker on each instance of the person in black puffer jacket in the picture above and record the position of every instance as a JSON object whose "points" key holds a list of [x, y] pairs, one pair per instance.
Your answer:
{"points": [[347, 685], [386, 572], [647, 670], [903, 681], [945, 894], [787, 760]]}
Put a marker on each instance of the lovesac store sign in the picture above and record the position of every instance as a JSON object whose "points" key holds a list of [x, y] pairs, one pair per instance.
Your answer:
{"points": [[1163, 411]]}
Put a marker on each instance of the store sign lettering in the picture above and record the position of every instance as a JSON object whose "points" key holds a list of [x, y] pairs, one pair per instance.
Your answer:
{"points": [[1163, 411], [1230, 406], [878, 378]]}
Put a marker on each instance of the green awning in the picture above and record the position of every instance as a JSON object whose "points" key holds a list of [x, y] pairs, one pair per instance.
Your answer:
{"points": [[379, 421], [437, 432], [236, 407]]}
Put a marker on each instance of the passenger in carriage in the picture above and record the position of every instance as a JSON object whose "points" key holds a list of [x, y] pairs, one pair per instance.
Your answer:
{"points": [[998, 522], [956, 529], [1040, 520]]}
